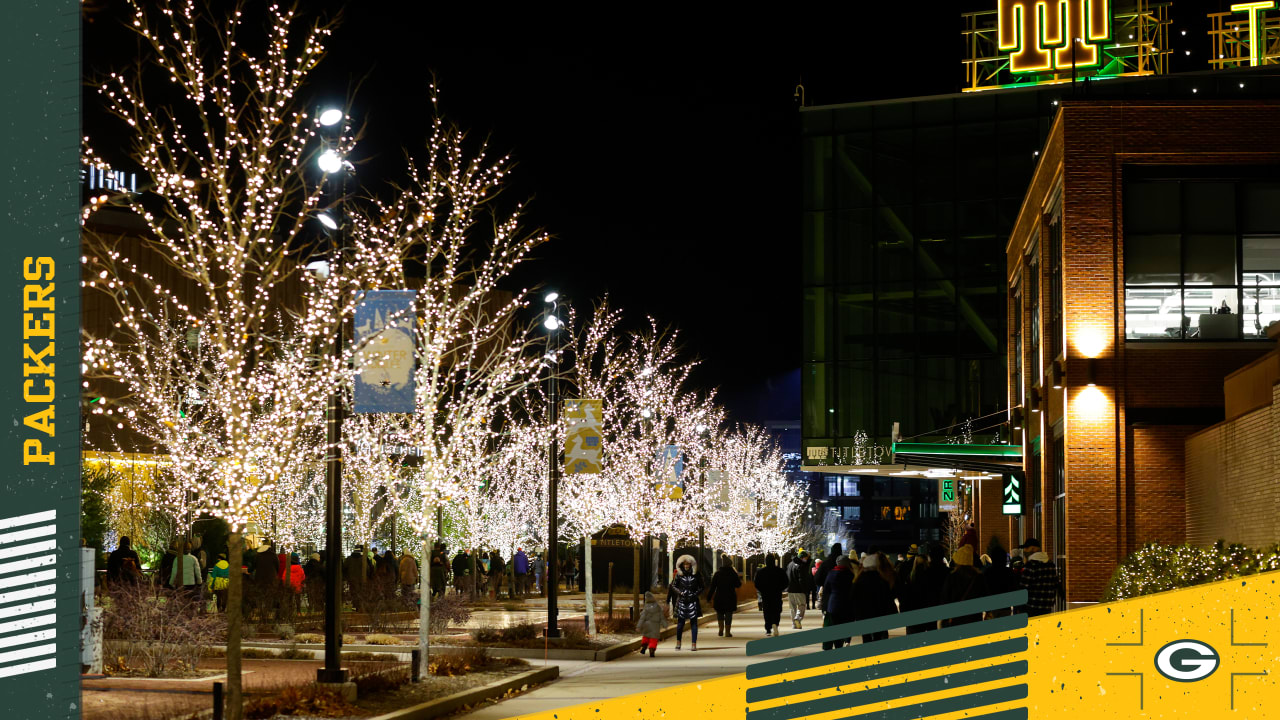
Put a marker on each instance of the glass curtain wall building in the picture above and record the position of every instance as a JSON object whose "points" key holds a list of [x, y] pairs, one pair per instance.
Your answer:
{"points": [[907, 209]]}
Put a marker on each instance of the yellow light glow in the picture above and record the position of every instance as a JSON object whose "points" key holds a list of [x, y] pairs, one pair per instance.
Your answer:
{"points": [[1039, 33], [1090, 342], [1257, 18], [1090, 403]]}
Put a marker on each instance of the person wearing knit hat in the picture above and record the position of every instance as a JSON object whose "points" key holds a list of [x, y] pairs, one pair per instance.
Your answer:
{"points": [[872, 595], [837, 599], [964, 583]]}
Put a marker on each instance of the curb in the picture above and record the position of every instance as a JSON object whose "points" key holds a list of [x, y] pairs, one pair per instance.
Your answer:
{"points": [[449, 703], [623, 649]]}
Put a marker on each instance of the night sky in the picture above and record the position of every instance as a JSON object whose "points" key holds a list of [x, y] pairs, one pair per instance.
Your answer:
{"points": [[658, 146]]}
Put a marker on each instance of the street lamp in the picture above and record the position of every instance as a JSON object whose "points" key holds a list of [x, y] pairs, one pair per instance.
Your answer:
{"points": [[332, 671], [552, 324]]}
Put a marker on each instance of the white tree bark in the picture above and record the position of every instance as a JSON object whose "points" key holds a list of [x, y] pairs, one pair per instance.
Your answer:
{"points": [[424, 607]]}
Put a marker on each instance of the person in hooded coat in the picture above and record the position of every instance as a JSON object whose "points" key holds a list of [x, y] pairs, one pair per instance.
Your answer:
{"points": [[651, 623], [999, 577], [924, 586], [771, 582], [964, 583], [683, 594], [828, 564], [837, 598], [723, 595], [872, 595], [116, 563]]}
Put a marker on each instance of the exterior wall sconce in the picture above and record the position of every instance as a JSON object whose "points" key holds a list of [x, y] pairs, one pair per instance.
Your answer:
{"points": [[1091, 372], [1056, 374], [1015, 418], [1034, 399]]}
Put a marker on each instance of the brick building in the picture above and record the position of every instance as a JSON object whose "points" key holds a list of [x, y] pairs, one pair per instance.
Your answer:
{"points": [[1143, 270]]}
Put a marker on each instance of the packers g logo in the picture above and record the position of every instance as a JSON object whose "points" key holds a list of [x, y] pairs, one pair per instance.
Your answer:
{"points": [[1187, 660]]}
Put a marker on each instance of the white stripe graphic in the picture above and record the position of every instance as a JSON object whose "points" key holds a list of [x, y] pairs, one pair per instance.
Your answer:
{"points": [[13, 537], [26, 624], [31, 519], [27, 594], [28, 608], [34, 577], [30, 667], [28, 638], [29, 549], [25, 653], [28, 564]]}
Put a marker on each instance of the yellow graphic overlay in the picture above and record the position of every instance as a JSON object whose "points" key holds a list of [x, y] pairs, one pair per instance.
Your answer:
{"points": [[1206, 652], [1040, 33], [584, 444]]}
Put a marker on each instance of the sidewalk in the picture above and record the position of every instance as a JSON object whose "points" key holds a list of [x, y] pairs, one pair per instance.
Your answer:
{"points": [[590, 681]]}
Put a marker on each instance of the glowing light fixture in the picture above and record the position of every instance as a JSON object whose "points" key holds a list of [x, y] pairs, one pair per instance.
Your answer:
{"points": [[331, 117], [327, 220], [551, 323], [329, 161]]}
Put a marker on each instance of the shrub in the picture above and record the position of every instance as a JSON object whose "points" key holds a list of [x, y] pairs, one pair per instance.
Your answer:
{"points": [[459, 663], [485, 634], [306, 700], [520, 633], [1158, 568], [451, 608], [379, 639], [158, 635], [573, 635], [309, 638]]}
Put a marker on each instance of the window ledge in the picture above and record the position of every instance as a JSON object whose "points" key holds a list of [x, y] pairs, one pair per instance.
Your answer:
{"points": [[1156, 343]]}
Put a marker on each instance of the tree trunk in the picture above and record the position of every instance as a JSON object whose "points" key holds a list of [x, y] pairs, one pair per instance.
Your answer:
{"points": [[635, 580], [424, 610], [235, 593], [475, 577], [586, 583], [715, 561]]}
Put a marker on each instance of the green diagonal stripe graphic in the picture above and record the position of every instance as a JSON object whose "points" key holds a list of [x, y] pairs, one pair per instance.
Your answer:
{"points": [[884, 647], [950, 705], [895, 691], [886, 622], [884, 670]]}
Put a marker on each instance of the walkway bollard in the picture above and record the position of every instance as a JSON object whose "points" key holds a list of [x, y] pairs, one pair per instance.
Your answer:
{"points": [[415, 671], [217, 701], [611, 591]]}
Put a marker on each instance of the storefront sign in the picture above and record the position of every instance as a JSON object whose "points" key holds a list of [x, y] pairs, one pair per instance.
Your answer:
{"points": [[947, 494], [583, 444], [1039, 34], [1012, 495]]}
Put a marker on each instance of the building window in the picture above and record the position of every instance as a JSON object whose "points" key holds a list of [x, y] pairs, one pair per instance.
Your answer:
{"points": [[1032, 280], [1056, 335], [833, 487], [1201, 259], [851, 487], [851, 513], [1060, 506]]}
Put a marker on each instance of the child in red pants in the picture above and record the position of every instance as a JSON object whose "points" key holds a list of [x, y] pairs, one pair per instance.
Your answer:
{"points": [[652, 621]]}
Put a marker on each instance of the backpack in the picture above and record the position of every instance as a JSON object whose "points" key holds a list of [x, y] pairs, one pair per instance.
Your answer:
{"points": [[129, 569]]}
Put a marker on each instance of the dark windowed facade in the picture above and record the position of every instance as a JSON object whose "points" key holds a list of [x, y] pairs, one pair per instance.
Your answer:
{"points": [[1201, 256]]}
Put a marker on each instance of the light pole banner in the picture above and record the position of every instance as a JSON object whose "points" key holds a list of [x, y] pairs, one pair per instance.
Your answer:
{"points": [[384, 352], [46, 580], [671, 468], [583, 445]]}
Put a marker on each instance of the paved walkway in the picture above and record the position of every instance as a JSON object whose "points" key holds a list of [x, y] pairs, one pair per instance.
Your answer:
{"points": [[583, 682]]}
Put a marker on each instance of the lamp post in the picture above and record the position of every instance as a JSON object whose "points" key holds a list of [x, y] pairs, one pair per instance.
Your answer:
{"points": [[552, 324], [332, 671]]}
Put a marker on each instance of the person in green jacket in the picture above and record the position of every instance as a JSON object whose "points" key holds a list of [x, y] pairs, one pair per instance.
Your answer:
{"points": [[219, 580]]}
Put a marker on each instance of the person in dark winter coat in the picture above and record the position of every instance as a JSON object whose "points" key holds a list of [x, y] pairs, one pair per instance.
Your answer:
{"points": [[771, 581], [116, 566], [964, 583], [437, 569], [872, 595], [461, 569], [799, 585], [497, 571], [650, 624], [837, 598], [723, 595], [166, 563], [998, 577], [1040, 578], [683, 594], [924, 587], [828, 564]]}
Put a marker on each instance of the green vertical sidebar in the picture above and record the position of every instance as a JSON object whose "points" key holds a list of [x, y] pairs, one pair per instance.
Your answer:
{"points": [[40, 575]]}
